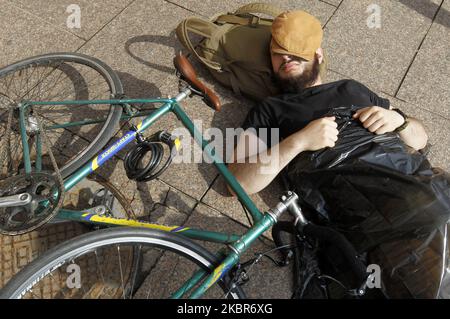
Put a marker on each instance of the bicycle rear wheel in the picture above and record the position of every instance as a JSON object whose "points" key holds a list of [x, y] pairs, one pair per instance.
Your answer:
{"points": [[168, 261], [76, 132]]}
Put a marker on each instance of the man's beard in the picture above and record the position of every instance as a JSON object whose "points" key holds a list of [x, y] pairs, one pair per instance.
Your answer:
{"points": [[296, 84]]}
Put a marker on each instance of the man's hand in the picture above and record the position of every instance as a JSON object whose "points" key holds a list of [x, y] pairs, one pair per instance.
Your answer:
{"points": [[318, 134], [379, 120]]}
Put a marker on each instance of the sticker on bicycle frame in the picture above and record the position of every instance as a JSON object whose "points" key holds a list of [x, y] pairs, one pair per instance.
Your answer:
{"points": [[95, 163], [131, 223], [218, 273], [177, 144], [114, 149]]}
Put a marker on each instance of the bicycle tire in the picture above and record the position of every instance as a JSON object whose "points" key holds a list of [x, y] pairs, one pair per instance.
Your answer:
{"points": [[113, 117], [52, 260]]}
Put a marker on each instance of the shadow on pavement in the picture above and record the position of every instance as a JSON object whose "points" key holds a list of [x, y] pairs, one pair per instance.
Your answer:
{"points": [[169, 41], [428, 9]]}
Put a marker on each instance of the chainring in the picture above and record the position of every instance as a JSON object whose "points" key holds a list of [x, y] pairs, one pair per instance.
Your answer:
{"points": [[46, 198]]}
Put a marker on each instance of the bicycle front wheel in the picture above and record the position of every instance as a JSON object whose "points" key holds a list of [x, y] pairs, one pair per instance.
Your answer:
{"points": [[95, 265], [75, 132]]}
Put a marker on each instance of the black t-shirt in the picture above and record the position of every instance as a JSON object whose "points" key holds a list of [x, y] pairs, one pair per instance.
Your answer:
{"points": [[292, 112]]}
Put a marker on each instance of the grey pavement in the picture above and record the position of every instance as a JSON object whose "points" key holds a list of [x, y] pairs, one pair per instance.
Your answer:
{"points": [[405, 59]]}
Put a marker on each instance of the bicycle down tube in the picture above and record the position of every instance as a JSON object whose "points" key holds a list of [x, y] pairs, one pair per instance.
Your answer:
{"points": [[169, 105]]}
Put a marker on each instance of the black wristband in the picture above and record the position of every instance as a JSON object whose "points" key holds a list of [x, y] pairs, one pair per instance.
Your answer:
{"points": [[405, 118]]}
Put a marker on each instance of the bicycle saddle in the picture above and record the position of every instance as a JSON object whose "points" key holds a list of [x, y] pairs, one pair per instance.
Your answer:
{"points": [[188, 74]]}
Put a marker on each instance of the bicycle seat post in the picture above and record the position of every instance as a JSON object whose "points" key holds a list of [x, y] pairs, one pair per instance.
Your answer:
{"points": [[289, 203], [184, 93]]}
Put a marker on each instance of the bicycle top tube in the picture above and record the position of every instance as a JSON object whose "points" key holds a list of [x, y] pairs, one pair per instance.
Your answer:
{"points": [[178, 98]]}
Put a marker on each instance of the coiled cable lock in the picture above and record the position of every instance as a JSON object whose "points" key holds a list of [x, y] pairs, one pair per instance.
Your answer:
{"points": [[134, 167]]}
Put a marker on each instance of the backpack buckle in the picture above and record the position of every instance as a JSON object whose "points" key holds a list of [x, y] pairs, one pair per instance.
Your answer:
{"points": [[254, 21]]}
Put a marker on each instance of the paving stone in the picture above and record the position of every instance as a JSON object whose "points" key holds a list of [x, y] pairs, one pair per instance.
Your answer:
{"points": [[427, 82], [219, 198], [150, 194], [437, 127], [140, 44], [23, 35], [145, 196], [333, 2], [210, 8], [266, 280], [332, 76], [16, 252], [378, 57], [164, 215], [178, 201], [93, 15], [144, 64]]}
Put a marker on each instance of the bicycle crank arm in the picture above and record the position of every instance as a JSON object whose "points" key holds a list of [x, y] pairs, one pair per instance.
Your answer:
{"points": [[15, 200]]}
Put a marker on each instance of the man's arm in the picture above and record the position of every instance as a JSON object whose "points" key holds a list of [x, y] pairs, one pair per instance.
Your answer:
{"points": [[414, 134], [255, 173], [379, 120]]}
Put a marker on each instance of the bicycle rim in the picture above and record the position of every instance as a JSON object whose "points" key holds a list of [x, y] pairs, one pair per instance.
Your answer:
{"points": [[168, 260], [58, 77]]}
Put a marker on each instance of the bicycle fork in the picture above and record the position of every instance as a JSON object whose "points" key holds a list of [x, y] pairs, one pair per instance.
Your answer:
{"points": [[288, 203]]}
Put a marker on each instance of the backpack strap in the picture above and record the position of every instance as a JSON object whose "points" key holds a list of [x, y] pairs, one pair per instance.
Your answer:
{"points": [[252, 8], [200, 27], [234, 19], [263, 8], [238, 16]]}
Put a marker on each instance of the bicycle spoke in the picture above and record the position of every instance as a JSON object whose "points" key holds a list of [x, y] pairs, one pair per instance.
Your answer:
{"points": [[64, 94], [121, 272], [99, 267], [137, 263], [62, 288], [40, 81]]}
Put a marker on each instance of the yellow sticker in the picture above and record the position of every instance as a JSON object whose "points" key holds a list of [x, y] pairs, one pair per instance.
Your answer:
{"points": [[95, 163], [177, 144], [132, 223]]}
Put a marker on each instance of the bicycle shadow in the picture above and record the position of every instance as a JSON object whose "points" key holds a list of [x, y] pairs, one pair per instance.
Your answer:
{"points": [[168, 41]]}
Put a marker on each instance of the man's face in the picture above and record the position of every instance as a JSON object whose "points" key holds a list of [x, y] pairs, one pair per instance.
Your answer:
{"points": [[294, 73], [286, 66]]}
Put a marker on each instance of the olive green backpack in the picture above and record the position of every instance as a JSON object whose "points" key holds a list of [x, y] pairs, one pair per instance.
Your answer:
{"points": [[235, 48]]}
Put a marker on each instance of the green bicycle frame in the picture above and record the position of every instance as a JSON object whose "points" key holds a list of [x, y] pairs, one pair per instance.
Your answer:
{"points": [[237, 244]]}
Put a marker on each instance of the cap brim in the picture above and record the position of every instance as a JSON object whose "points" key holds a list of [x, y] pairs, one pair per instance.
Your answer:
{"points": [[274, 47]]}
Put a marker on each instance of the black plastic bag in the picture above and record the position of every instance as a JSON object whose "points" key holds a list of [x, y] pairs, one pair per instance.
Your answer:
{"points": [[386, 199]]}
